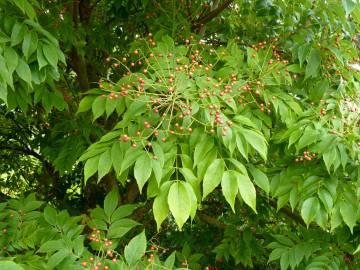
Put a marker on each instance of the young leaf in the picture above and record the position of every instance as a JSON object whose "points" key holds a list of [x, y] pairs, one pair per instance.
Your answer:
{"points": [[247, 190], [135, 249], [213, 176], [179, 203]]}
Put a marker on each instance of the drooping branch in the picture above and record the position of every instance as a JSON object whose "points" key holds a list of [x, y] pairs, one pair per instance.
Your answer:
{"points": [[25, 151], [288, 212], [207, 18]]}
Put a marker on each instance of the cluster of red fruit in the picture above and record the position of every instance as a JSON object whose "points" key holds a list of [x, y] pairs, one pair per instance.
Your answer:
{"points": [[307, 156], [96, 264]]}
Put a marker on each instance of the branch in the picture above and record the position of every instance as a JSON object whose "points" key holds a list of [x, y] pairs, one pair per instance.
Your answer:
{"points": [[205, 19], [288, 212], [211, 220], [21, 150]]}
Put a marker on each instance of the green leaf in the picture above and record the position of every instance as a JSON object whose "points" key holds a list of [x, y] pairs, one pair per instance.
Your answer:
{"points": [[91, 167], [313, 63], [57, 258], [51, 246], [179, 203], [123, 211], [201, 149], [160, 205], [356, 251], [309, 137], [349, 214], [135, 249], [213, 176], [170, 261], [142, 170], [11, 58], [247, 190], [260, 178], [120, 227], [51, 54], [104, 165], [229, 187], [10, 265], [193, 199], [30, 43], [40, 57], [309, 209], [256, 140], [129, 158], [18, 33], [24, 71], [86, 103], [348, 6], [303, 52], [111, 202], [50, 215], [98, 107]]}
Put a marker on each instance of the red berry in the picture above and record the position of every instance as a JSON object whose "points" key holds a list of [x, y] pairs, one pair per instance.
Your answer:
{"points": [[84, 264]]}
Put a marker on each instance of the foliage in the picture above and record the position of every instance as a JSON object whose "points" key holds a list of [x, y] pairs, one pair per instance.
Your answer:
{"points": [[232, 127]]}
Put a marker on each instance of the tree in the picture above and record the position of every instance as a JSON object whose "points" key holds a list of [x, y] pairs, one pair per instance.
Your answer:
{"points": [[226, 134]]}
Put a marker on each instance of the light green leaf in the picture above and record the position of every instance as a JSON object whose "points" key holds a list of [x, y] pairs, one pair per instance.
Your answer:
{"points": [[313, 63], [51, 54], [309, 137], [349, 214], [111, 202], [40, 57], [11, 58], [142, 170], [229, 185], [348, 6], [104, 165], [135, 249], [10, 265], [193, 199], [201, 149], [57, 258], [18, 33], [357, 250], [179, 203], [213, 176], [120, 227], [91, 167], [30, 43], [129, 158], [247, 190], [309, 209], [98, 107], [24, 71], [123, 211], [257, 141], [160, 205], [50, 215], [260, 178]]}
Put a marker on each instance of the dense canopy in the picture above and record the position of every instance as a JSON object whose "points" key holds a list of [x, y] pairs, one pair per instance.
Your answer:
{"points": [[205, 134]]}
